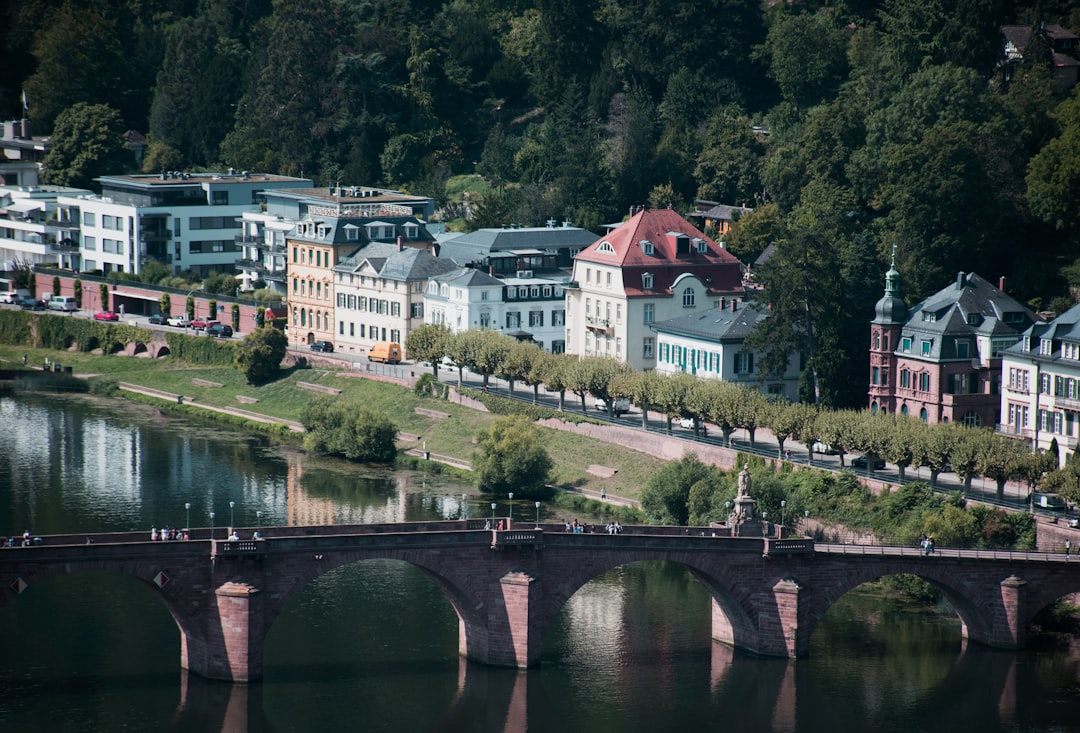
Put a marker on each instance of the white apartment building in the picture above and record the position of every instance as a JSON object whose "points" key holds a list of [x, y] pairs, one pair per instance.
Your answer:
{"points": [[21, 154], [710, 345], [379, 294], [1040, 379], [263, 254], [653, 267], [188, 221], [35, 229], [528, 309]]}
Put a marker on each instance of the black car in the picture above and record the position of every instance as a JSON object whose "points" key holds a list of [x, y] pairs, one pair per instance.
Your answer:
{"points": [[861, 462], [33, 304], [220, 330], [157, 319], [324, 346]]}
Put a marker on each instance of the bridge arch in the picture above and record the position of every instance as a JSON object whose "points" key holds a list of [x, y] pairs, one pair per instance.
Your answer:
{"points": [[975, 618], [732, 609]]}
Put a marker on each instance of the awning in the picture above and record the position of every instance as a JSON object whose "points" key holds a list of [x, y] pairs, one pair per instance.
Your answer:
{"points": [[21, 206]]}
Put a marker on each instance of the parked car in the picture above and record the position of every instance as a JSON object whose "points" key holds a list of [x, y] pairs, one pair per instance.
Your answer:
{"points": [[324, 346], [106, 316], [201, 323], [157, 319], [825, 449], [33, 304], [13, 297], [620, 407], [862, 462], [178, 321], [219, 330]]}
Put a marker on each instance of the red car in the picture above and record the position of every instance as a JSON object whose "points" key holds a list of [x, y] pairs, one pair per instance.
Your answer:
{"points": [[106, 316], [200, 323]]}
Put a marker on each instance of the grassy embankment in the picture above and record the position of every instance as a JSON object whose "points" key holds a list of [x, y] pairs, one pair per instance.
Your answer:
{"points": [[282, 398]]}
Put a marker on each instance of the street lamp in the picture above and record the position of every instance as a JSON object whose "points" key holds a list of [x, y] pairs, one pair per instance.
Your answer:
{"points": [[493, 515], [187, 519], [211, 525], [538, 515], [510, 511], [232, 505], [464, 508], [258, 521], [806, 516], [783, 503]]}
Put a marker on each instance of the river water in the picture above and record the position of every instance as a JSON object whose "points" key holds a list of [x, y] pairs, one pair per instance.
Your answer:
{"points": [[373, 646]]}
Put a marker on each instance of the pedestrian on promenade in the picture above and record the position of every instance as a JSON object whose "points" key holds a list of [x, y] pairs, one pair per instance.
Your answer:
{"points": [[603, 494]]}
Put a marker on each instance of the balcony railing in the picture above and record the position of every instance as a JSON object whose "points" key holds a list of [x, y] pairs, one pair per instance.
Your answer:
{"points": [[1013, 431]]}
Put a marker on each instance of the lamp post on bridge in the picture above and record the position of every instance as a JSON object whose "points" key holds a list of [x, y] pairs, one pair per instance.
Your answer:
{"points": [[232, 515], [258, 522], [493, 515], [211, 525], [464, 508], [783, 503], [510, 511], [187, 517], [806, 516], [538, 515]]}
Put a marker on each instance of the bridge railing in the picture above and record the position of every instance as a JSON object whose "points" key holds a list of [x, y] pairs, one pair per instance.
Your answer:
{"points": [[950, 552]]}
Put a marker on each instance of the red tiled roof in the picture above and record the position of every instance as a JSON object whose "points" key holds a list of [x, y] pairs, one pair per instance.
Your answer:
{"points": [[717, 267]]}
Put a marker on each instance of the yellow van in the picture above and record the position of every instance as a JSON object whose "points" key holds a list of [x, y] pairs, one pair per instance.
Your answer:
{"points": [[385, 351]]}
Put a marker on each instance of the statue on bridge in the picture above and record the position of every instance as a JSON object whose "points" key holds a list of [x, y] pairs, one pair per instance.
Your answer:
{"points": [[744, 503]]}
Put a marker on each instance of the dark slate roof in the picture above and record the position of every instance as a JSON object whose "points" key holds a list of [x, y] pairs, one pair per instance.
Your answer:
{"points": [[717, 325], [465, 277], [715, 210], [339, 226], [476, 246], [971, 307], [1063, 329], [406, 264]]}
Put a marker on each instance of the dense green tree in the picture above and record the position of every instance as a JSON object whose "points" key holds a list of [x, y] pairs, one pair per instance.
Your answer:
{"points": [[667, 492], [805, 53], [1054, 173], [259, 354], [87, 142], [511, 457], [428, 343], [358, 434]]}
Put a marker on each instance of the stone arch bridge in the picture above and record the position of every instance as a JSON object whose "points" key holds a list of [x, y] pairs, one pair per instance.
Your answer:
{"points": [[507, 587]]}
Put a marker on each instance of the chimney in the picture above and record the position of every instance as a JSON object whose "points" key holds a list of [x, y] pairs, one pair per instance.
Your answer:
{"points": [[399, 243], [734, 304], [960, 280], [491, 270], [723, 303], [1001, 283]]}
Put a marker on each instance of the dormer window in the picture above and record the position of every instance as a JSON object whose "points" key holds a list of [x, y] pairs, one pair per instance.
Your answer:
{"points": [[647, 281], [1027, 343], [1070, 351], [412, 231], [605, 248], [974, 319], [646, 247], [929, 317], [352, 232], [1046, 347], [701, 245]]}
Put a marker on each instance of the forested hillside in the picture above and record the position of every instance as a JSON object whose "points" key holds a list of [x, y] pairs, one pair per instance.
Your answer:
{"points": [[851, 126]]}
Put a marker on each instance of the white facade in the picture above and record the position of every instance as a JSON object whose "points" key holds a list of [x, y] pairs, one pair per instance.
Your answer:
{"points": [[263, 254], [524, 308], [1040, 385], [710, 345], [35, 229], [186, 221]]}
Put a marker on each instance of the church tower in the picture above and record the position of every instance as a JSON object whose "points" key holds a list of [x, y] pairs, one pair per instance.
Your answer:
{"points": [[890, 314]]}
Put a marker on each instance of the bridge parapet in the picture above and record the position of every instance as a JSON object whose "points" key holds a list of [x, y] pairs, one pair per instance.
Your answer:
{"points": [[517, 537], [237, 547], [788, 546]]}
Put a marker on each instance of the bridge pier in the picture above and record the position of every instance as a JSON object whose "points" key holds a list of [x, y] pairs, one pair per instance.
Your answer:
{"points": [[1010, 630], [229, 645], [512, 640]]}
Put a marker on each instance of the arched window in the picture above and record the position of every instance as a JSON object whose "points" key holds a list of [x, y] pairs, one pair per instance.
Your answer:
{"points": [[688, 298], [903, 409], [873, 408], [303, 317], [877, 341], [973, 420], [924, 415]]}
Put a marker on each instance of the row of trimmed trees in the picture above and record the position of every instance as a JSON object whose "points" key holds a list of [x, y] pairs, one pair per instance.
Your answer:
{"points": [[901, 440]]}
